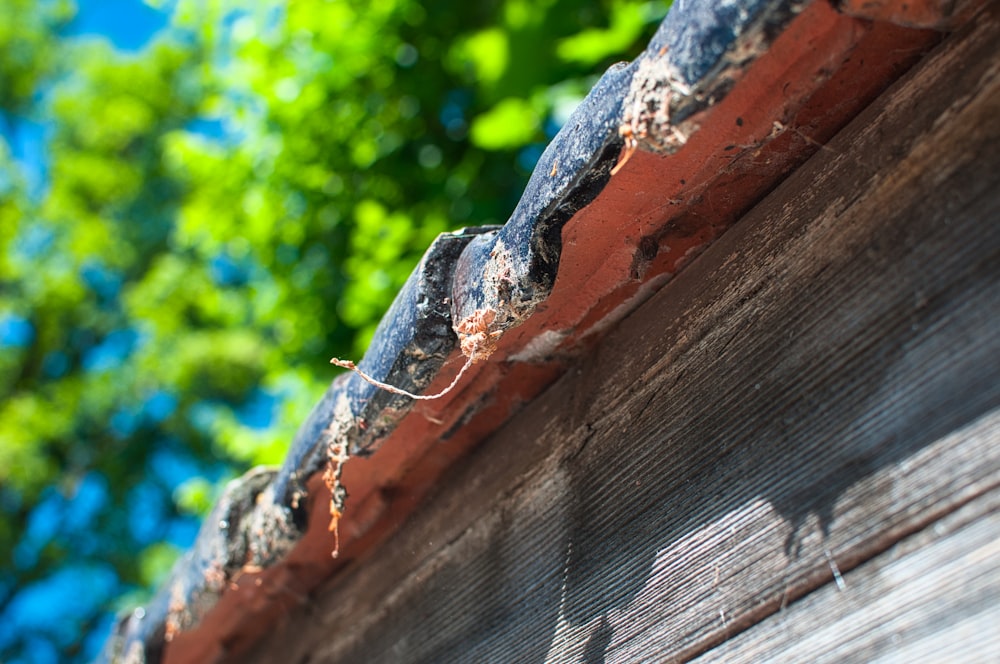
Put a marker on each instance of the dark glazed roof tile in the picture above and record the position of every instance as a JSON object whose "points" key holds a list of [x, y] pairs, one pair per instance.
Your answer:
{"points": [[511, 274]]}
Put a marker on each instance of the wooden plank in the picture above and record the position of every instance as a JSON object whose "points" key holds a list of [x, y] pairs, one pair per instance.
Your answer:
{"points": [[755, 560], [933, 597], [818, 386]]}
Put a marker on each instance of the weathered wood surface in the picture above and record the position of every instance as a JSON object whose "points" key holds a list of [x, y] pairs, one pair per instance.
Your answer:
{"points": [[819, 391], [933, 597]]}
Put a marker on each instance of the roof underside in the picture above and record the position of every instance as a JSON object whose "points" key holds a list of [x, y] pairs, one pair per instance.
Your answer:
{"points": [[658, 161]]}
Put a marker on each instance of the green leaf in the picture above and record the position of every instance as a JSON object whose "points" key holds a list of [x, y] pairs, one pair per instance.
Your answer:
{"points": [[487, 52], [510, 124], [628, 20]]}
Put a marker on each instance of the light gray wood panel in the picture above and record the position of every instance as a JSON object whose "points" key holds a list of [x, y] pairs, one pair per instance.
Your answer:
{"points": [[723, 588], [934, 597], [816, 387]]}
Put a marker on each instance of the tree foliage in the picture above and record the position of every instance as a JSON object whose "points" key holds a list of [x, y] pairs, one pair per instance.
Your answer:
{"points": [[217, 215]]}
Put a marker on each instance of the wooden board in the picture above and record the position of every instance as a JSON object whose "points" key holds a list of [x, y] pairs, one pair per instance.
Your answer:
{"points": [[934, 597], [814, 392]]}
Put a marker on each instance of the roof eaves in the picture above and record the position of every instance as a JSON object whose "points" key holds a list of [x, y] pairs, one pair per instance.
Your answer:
{"points": [[726, 100]]}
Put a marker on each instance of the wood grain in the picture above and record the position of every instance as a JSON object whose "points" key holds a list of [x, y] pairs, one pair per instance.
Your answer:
{"points": [[816, 390], [934, 597]]}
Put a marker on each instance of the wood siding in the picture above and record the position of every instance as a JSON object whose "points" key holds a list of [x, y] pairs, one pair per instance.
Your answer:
{"points": [[791, 451]]}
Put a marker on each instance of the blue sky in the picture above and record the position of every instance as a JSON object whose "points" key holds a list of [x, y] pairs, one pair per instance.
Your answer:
{"points": [[128, 24]]}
